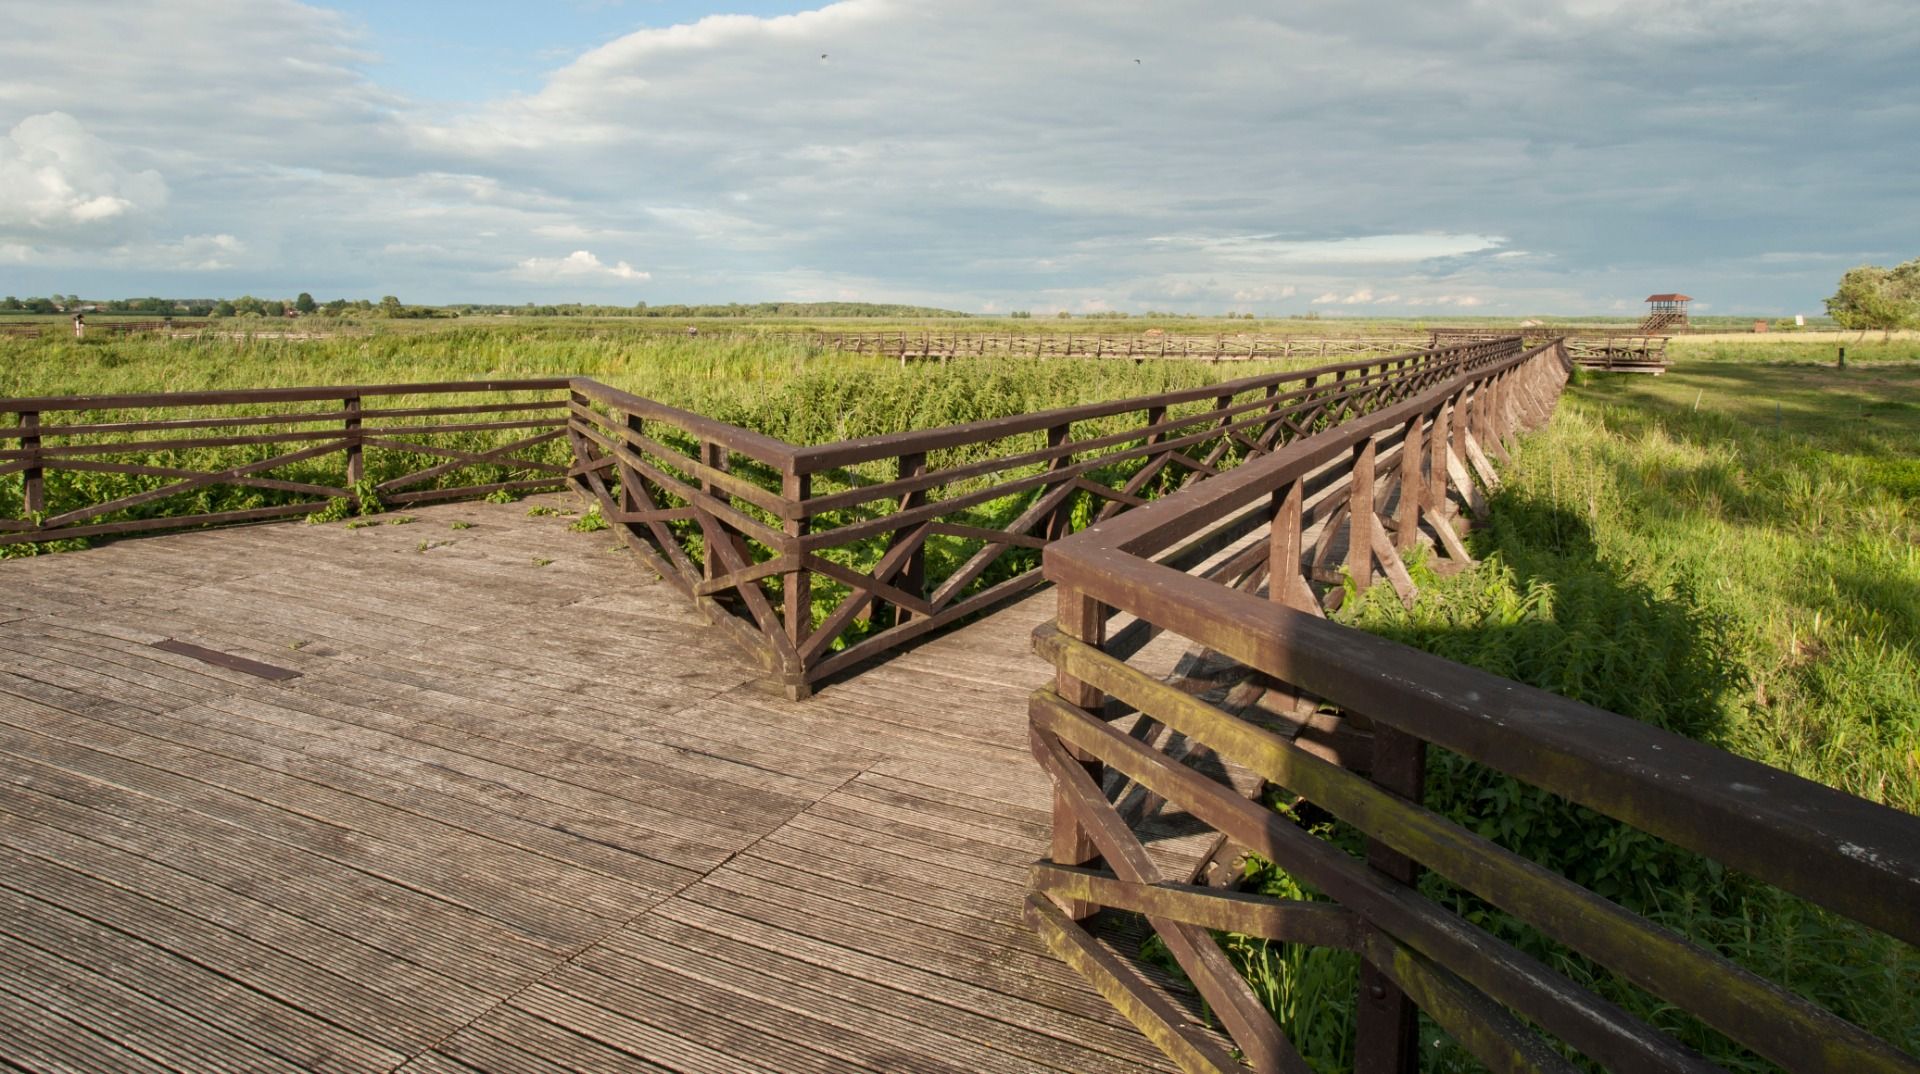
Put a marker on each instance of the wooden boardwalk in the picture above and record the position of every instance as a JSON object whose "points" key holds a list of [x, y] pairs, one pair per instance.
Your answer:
{"points": [[521, 810]]}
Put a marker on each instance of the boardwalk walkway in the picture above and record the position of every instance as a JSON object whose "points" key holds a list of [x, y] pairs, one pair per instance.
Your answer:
{"points": [[511, 815]]}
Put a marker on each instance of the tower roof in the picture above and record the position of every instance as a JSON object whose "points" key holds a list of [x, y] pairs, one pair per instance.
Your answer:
{"points": [[1670, 298]]}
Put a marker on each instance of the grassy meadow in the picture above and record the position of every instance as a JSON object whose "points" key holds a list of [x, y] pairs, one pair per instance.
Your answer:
{"points": [[1730, 551]]}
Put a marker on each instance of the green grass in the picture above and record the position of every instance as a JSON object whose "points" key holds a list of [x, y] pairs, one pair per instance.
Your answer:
{"points": [[1730, 551], [757, 379]]}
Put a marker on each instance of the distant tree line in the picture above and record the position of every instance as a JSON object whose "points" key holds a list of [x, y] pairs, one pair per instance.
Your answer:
{"points": [[391, 306], [1871, 297]]}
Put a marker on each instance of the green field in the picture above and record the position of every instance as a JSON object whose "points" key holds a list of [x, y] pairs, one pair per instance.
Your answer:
{"points": [[772, 383], [1730, 551]]}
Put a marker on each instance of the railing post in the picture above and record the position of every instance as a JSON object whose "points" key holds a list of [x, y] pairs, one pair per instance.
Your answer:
{"points": [[34, 488], [1061, 519], [1412, 488], [1360, 518], [1437, 439], [796, 590], [1462, 424], [356, 462], [709, 567], [913, 573], [1386, 1025], [1285, 549], [1084, 619]]}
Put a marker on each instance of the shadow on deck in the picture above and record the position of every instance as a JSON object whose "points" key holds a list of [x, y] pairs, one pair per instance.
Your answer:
{"points": [[520, 810]]}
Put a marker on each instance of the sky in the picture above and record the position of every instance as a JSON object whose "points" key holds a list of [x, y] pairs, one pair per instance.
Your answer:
{"points": [[1495, 157]]}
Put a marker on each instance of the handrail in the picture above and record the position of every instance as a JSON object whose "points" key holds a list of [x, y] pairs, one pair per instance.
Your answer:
{"points": [[754, 529], [818, 557], [863, 449], [1852, 856], [356, 455], [242, 396]]}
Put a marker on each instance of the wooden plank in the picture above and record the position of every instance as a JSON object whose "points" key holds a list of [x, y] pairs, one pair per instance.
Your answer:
{"points": [[287, 807]]}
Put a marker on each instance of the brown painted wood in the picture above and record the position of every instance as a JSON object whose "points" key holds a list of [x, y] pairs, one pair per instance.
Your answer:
{"points": [[373, 865]]}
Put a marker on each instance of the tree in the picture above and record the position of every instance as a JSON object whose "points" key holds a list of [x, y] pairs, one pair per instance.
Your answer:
{"points": [[305, 303], [223, 308], [1872, 297], [391, 307]]}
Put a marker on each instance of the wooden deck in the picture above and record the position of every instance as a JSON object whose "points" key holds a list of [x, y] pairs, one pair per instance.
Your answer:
{"points": [[511, 815]]}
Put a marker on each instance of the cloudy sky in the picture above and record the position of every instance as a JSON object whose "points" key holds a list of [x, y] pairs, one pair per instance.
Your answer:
{"points": [[1499, 156]]}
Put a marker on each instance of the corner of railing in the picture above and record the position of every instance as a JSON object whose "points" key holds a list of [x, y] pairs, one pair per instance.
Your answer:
{"points": [[1083, 619], [796, 580]]}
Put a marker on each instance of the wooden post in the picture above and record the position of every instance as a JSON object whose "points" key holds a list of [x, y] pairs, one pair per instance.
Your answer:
{"points": [[796, 589], [1462, 423], [629, 478], [34, 488], [1437, 439], [1085, 619], [715, 456], [1360, 519], [1412, 489], [913, 573], [356, 463], [1285, 549], [1061, 520], [1386, 1026]]}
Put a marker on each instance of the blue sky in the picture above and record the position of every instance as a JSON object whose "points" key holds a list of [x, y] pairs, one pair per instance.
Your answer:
{"points": [[1504, 157], [437, 50]]}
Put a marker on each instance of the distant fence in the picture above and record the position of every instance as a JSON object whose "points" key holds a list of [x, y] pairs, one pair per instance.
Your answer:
{"points": [[205, 458], [128, 328], [923, 346], [1342, 720], [110, 327]]}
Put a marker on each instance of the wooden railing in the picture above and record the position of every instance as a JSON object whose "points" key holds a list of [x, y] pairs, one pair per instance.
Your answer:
{"points": [[1342, 720], [921, 346], [823, 556], [1620, 350], [816, 557], [107, 465]]}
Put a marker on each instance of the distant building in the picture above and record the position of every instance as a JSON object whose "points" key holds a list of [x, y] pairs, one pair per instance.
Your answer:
{"points": [[1665, 312]]}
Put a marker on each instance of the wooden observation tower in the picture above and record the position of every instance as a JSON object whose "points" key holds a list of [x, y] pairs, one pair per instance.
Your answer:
{"points": [[1665, 312]]}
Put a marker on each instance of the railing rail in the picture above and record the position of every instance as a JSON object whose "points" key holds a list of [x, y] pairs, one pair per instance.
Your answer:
{"points": [[1344, 486], [927, 344], [817, 557], [84, 475], [823, 556]]}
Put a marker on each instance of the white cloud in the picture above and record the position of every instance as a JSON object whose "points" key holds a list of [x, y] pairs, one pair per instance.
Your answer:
{"points": [[1364, 250], [1361, 297], [1027, 160], [1265, 293], [58, 180], [578, 265], [197, 253], [1463, 301]]}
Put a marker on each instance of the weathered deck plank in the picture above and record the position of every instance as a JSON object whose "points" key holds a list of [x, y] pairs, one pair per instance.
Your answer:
{"points": [[510, 818]]}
